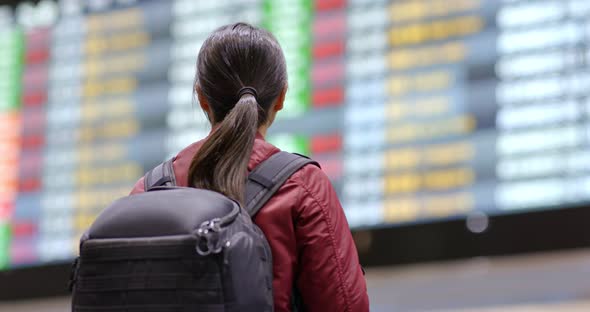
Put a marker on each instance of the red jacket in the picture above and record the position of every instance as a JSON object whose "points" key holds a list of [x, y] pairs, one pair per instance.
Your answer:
{"points": [[309, 236]]}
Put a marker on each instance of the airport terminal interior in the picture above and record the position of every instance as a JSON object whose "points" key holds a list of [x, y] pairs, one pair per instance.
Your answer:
{"points": [[456, 134]]}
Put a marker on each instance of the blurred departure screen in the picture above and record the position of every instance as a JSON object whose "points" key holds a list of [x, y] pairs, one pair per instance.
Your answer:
{"points": [[418, 110]]}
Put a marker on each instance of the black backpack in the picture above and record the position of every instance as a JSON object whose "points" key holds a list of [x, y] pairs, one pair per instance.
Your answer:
{"points": [[181, 249]]}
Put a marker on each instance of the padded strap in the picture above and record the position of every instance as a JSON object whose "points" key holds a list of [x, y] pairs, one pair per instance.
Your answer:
{"points": [[262, 182], [269, 176], [161, 175]]}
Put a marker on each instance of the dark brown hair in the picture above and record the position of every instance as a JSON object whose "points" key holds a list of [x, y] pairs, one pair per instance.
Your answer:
{"points": [[235, 56]]}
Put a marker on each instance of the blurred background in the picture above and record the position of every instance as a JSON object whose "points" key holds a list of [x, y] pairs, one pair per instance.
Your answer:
{"points": [[456, 132]]}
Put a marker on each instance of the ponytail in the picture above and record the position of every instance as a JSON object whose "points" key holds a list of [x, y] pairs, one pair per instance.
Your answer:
{"points": [[241, 72], [221, 164]]}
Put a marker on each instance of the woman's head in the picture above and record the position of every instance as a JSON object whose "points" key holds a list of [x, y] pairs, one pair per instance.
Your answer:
{"points": [[235, 58]]}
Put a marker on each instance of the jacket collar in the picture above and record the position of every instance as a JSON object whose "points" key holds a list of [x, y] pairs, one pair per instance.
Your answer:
{"points": [[260, 152]]}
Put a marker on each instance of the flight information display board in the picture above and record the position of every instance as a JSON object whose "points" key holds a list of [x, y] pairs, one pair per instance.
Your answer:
{"points": [[417, 110]]}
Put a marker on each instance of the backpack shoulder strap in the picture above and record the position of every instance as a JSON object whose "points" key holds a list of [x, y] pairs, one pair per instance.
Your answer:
{"points": [[269, 176], [161, 175]]}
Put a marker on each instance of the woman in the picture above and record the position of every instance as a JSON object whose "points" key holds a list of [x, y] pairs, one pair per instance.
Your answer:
{"points": [[241, 83]]}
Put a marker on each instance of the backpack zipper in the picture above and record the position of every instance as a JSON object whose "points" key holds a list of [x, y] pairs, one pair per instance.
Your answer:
{"points": [[208, 233]]}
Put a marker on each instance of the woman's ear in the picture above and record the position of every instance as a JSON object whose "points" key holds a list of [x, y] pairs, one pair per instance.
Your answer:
{"points": [[204, 103], [277, 106], [280, 100]]}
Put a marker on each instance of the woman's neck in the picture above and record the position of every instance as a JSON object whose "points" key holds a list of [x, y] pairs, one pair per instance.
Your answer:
{"points": [[262, 130]]}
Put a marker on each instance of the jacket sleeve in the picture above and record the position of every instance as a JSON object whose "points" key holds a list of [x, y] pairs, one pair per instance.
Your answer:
{"points": [[329, 276], [138, 188]]}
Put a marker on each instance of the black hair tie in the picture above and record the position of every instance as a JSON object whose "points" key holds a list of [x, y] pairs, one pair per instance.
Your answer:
{"points": [[248, 90]]}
